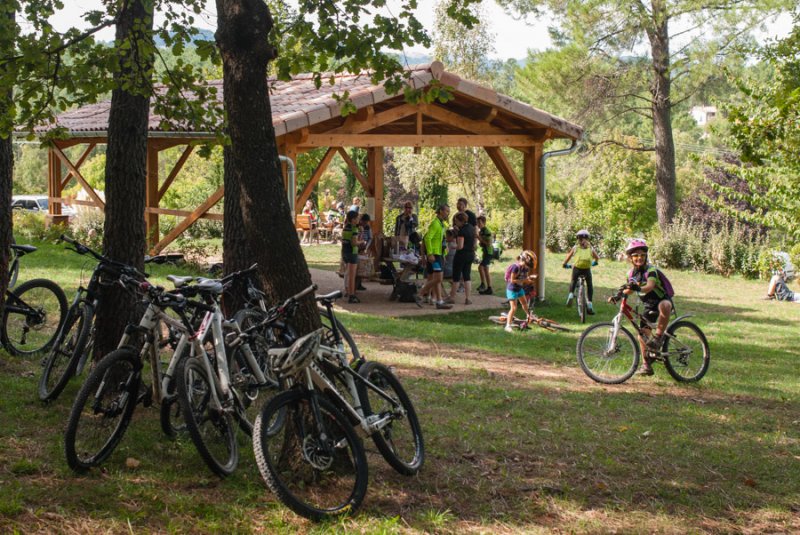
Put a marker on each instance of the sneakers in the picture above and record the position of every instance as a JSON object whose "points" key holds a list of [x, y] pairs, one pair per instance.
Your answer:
{"points": [[449, 300], [655, 343], [360, 287], [441, 305], [481, 288], [353, 299], [508, 328], [486, 291], [418, 300], [646, 369], [569, 299], [590, 309], [468, 301], [768, 297]]}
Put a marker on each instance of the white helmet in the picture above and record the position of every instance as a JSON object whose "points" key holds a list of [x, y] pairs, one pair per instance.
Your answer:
{"points": [[299, 355]]}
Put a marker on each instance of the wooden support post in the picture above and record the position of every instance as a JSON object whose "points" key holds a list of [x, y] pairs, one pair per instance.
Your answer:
{"points": [[54, 189], [535, 239], [375, 180], [151, 195]]}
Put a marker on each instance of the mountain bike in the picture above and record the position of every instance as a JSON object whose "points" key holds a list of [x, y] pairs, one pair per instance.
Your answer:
{"points": [[609, 353], [307, 440], [581, 294], [74, 344], [14, 253], [104, 406], [32, 313]]}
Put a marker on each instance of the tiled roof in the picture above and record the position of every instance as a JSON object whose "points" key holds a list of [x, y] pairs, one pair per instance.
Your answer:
{"points": [[298, 104]]}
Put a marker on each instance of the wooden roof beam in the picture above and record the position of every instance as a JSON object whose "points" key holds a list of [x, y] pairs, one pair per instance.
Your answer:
{"points": [[315, 176], [504, 166], [354, 168], [425, 140], [79, 177], [459, 121], [175, 170], [375, 120]]}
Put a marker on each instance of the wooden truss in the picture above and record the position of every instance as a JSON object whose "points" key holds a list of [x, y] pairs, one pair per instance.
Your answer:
{"points": [[394, 123]]}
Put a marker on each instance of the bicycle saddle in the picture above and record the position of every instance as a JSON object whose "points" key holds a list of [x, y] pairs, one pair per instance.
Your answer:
{"points": [[178, 281], [211, 286], [329, 297], [23, 249]]}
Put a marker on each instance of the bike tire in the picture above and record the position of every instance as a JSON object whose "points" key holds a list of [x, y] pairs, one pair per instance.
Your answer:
{"points": [[400, 442], [316, 477], [170, 412], [212, 430], [552, 325], [62, 361], [686, 339], [602, 365], [103, 409], [581, 301], [26, 334]]}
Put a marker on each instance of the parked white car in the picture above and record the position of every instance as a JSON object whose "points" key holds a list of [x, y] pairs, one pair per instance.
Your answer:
{"points": [[37, 203]]}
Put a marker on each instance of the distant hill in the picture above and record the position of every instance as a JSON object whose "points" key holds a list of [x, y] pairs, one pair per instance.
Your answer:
{"points": [[202, 35]]}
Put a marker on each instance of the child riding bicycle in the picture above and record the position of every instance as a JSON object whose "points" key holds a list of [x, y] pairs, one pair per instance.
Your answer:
{"points": [[585, 258], [644, 278]]}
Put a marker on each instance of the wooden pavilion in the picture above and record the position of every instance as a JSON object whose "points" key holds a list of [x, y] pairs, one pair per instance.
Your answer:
{"points": [[306, 118]]}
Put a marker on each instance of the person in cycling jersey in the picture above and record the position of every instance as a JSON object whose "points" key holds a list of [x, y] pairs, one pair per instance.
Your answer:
{"points": [[583, 257], [644, 280]]}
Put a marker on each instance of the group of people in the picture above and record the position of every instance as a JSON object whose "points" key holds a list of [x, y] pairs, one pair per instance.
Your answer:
{"points": [[448, 253]]}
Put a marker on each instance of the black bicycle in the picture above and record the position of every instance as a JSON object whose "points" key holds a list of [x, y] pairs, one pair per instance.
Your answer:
{"points": [[74, 344], [33, 312]]}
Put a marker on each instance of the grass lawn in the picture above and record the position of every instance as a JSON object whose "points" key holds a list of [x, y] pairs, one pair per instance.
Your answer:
{"points": [[518, 439]]}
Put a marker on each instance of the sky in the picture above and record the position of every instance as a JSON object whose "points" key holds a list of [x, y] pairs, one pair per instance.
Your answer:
{"points": [[513, 37]]}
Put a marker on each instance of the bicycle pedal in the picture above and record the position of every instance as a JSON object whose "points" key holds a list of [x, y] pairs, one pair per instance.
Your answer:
{"points": [[146, 397]]}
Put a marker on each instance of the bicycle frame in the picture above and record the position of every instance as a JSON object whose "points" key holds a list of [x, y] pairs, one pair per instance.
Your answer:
{"points": [[625, 310]]}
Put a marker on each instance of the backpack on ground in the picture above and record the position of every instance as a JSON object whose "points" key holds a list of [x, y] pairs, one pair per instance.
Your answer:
{"points": [[666, 285], [406, 291]]}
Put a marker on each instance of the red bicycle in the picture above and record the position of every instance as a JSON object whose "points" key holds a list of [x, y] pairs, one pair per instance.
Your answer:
{"points": [[609, 353]]}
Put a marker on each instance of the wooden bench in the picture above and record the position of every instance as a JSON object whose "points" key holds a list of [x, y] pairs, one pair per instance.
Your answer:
{"points": [[302, 225]]}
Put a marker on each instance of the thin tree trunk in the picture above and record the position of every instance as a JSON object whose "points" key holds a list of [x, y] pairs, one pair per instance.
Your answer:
{"points": [[6, 178], [257, 224], [6, 157], [662, 116], [126, 163], [476, 172]]}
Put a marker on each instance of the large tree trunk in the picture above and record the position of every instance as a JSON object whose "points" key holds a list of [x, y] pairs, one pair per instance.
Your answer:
{"points": [[662, 116], [126, 163], [6, 156], [257, 224]]}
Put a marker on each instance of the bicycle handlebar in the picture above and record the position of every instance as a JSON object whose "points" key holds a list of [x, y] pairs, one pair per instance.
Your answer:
{"points": [[84, 249]]}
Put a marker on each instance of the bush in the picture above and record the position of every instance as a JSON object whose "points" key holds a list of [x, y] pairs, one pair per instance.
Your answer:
{"points": [[87, 227], [725, 249], [33, 226], [507, 226]]}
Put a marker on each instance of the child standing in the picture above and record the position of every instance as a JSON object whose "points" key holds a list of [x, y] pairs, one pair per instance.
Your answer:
{"points": [[350, 243], [485, 240], [519, 277], [585, 257]]}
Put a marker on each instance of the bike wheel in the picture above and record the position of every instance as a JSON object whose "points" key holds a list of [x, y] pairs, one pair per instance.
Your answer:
{"points": [[309, 455], [32, 315], [581, 300], [686, 351], [603, 363], [103, 409], [62, 361], [210, 427], [400, 441]]}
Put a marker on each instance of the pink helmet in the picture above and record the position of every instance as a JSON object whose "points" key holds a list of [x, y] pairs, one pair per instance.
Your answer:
{"points": [[634, 244]]}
